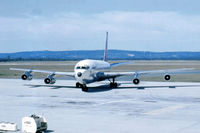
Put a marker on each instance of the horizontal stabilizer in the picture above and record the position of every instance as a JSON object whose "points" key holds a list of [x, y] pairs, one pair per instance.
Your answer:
{"points": [[120, 64]]}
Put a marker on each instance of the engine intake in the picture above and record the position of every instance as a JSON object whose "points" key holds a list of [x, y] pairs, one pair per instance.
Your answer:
{"points": [[49, 80], [27, 77], [136, 81], [167, 77]]}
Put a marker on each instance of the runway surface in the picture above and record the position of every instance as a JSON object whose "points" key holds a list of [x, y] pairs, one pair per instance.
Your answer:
{"points": [[156, 107]]}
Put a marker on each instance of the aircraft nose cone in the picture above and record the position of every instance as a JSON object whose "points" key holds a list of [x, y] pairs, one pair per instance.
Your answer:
{"points": [[79, 74]]}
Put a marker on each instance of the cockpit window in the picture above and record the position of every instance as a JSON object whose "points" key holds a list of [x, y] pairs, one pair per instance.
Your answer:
{"points": [[83, 67], [78, 67]]}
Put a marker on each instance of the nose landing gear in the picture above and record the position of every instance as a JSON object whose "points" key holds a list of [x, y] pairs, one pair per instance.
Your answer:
{"points": [[78, 85]]}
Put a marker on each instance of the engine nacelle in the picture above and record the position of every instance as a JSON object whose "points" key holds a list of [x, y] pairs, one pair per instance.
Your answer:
{"points": [[167, 77], [136, 81], [49, 80], [27, 77]]}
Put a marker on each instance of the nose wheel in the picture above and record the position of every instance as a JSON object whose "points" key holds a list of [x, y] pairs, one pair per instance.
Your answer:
{"points": [[82, 86], [78, 85]]}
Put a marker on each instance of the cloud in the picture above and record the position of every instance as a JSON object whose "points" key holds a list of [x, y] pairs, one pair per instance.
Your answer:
{"points": [[147, 28]]}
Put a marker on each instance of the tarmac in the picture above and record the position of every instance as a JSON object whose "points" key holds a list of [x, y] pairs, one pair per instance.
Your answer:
{"points": [[153, 107]]}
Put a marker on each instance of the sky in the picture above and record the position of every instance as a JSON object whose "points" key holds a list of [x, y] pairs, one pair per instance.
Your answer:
{"points": [[58, 25]]}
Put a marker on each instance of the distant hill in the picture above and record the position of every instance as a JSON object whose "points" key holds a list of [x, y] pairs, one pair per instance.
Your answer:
{"points": [[98, 54]]}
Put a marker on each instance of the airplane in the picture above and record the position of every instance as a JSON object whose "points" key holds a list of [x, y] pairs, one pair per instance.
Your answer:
{"points": [[89, 71]]}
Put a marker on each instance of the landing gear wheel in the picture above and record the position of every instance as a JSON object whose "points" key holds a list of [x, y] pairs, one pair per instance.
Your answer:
{"points": [[113, 85], [78, 85], [84, 88]]}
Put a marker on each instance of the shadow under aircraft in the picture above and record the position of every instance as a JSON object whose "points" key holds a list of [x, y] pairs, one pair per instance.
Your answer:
{"points": [[103, 88]]}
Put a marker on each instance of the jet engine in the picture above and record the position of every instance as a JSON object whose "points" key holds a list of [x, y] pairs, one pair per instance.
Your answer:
{"points": [[167, 77], [136, 81], [27, 76], [49, 80]]}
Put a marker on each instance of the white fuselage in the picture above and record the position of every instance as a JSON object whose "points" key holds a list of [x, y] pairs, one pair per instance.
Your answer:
{"points": [[88, 71]]}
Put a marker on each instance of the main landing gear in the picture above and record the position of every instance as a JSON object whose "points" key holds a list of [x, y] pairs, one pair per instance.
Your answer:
{"points": [[83, 86], [113, 84]]}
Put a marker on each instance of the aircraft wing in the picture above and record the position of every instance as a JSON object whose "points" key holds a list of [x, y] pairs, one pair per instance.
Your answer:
{"points": [[169, 71], [71, 74], [152, 72]]}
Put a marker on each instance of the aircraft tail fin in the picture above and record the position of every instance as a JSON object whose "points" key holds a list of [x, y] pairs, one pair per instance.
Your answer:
{"points": [[106, 48]]}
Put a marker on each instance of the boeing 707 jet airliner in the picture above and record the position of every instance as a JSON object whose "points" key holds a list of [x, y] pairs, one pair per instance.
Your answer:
{"points": [[89, 71]]}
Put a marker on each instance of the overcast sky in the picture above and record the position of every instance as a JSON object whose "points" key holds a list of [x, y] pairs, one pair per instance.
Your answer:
{"points": [[149, 25]]}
